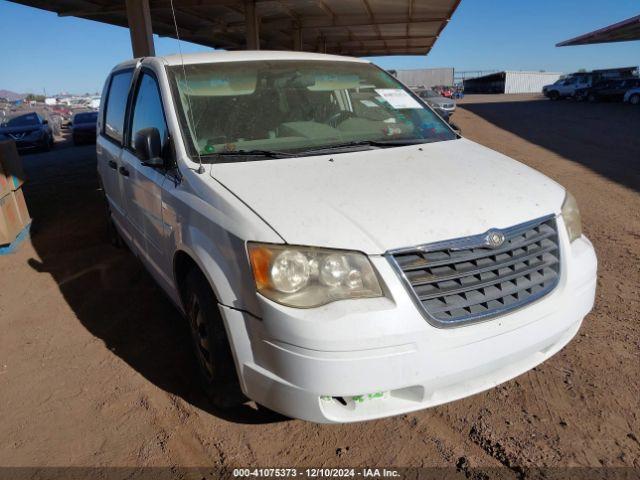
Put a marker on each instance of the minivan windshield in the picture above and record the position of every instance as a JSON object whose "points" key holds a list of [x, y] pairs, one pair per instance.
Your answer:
{"points": [[297, 107]]}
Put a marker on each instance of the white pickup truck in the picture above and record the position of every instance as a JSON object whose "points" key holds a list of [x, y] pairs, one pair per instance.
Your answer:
{"points": [[338, 251], [566, 87]]}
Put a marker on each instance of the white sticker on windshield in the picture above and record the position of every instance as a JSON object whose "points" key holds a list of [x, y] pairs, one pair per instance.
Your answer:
{"points": [[369, 103], [398, 98]]}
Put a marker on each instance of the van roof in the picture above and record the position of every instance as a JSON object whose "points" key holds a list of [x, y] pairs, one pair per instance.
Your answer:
{"points": [[242, 56]]}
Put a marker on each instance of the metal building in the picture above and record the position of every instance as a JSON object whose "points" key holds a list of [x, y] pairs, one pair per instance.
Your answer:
{"points": [[510, 81], [426, 77]]}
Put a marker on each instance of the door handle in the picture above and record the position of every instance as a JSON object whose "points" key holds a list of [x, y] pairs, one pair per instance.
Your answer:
{"points": [[112, 164], [123, 171]]}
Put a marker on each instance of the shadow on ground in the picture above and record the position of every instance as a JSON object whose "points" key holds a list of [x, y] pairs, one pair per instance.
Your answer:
{"points": [[603, 136], [108, 289]]}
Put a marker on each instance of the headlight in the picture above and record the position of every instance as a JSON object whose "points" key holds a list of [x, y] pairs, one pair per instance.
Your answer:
{"points": [[571, 217], [307, 277]]}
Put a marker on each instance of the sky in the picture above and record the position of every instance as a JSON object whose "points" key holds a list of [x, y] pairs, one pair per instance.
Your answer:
{"points": [[46, 53]]}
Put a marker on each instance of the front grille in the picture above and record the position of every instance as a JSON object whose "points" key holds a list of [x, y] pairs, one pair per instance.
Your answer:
{"points": [[464, 280]]}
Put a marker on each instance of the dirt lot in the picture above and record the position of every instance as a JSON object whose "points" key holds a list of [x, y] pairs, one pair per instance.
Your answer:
{"points": [[95, 367]]}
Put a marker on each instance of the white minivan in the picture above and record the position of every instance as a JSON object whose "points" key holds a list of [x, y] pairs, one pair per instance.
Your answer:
{"points": [[340, 253]]}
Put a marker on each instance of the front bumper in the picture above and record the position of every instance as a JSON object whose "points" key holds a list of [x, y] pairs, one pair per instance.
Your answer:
{"points": [[316, 364]]}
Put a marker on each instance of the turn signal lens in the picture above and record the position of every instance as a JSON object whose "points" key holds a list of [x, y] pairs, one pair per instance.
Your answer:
{"points": [[571, 217], [306, 277], [260, 261]]}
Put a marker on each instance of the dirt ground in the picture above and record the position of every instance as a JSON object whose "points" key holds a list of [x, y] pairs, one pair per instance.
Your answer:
{"points": [[95, 366]]}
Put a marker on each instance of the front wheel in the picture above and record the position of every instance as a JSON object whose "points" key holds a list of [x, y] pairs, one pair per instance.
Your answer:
{"points": [[635, 99], [554, 95], [211, 344]]}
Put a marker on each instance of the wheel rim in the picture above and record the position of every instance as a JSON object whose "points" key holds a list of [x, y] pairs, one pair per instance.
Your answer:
{"points": [[200, 336], [635, 100]]}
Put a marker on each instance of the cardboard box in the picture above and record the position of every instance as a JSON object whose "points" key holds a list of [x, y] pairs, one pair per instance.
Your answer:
{"points": [[11, 164], [5, 187], [21, 205], [10, 222]]}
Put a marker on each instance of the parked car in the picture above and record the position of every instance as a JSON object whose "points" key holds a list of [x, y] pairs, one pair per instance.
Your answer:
{"points": [[566, 87], [28, 130], [338, 251], [443, 106], [446, 92], [83, 127], [632, 96], [610, 90]]}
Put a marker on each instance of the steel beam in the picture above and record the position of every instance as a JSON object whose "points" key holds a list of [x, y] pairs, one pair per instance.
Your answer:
{"points": [[140, 28], [297, 39], [252, 25]]}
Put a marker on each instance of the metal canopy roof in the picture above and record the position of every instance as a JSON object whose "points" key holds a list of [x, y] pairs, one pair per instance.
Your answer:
{"points": [[618, 32], [349, 27]]}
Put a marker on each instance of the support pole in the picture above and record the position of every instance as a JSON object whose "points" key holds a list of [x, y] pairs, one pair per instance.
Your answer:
{"points": [[252, 26], [297, 39], [140, 28]]}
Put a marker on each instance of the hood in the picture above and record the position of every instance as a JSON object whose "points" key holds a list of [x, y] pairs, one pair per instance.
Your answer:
{"points": [[377, 200]]}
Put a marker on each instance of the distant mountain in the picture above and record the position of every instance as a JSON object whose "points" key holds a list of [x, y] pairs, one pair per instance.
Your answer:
{"points": [[11, 96]]}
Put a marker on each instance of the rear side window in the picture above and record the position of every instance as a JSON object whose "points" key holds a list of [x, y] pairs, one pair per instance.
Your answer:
{"points": [[117, 105]]}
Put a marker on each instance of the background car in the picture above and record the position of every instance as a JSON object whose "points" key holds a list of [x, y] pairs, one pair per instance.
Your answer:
{"points": [[443, 106], [566, 87], [632, 96], [28, 130], [83, 127], [611, 90]]}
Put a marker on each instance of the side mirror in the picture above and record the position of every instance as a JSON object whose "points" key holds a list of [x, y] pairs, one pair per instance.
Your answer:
{"points": [[148, 147], [45, 122]]}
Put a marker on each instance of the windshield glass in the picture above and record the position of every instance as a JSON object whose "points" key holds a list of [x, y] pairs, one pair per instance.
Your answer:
{"points": [[292, 106], [89, 117], [21, 121], [429, 94]]}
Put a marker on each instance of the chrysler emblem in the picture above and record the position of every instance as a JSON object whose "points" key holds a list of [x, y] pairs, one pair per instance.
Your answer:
{"points": [[494, 239]]}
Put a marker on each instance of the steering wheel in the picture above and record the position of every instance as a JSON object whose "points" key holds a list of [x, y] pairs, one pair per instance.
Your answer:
{"points": [[337, 118]]}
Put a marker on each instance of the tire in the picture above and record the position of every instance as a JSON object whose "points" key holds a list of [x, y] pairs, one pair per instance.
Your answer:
{"points": [[554, 95], [634, 99], [210, 344], [592, 98]]}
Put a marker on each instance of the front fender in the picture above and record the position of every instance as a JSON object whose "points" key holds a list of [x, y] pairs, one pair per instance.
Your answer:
{"points": [[212, 226], [225, 266]]}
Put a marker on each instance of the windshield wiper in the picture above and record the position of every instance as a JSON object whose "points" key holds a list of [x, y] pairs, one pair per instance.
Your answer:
{"points": [[369, 143], [248, 153]]}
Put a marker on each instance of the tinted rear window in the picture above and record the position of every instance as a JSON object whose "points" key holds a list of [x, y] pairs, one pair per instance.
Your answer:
{"points": [[89, 117], [22, 121], [117, 104]]}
